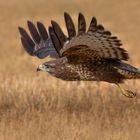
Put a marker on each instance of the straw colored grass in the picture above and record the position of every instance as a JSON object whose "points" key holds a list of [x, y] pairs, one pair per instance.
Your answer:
{"points": [[36, 106]]}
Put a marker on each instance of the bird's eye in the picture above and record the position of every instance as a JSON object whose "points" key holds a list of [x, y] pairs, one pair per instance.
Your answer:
{"points": [[47, 66]]}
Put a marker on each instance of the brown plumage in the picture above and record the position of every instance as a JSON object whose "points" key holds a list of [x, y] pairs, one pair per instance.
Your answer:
{"points": [[94, 55]]}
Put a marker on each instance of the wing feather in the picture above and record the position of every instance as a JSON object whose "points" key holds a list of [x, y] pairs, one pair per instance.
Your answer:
{"points": [[34, 33], [96, 43], [93, 25], [70, 25], [90, 44], [81, 24], [55, 40], [39, 44], [58, 31], [26, 41], [42, 31], [27, 46]]}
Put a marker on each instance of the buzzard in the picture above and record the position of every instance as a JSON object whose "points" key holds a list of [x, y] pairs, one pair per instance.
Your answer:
{"points": [[85, 55]]}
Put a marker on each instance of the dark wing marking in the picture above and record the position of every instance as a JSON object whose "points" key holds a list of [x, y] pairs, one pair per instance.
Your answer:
{"points": [[93, 25], [28, 48], [34, 33], [97, 44], [55, 40], [91, 46], [70, 25], [42, 31], [58, 31], [26, 41], [40, 44], [81, 24]]}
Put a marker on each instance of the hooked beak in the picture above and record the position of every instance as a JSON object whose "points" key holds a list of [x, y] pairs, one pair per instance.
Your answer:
{"points": [[41, 67]]}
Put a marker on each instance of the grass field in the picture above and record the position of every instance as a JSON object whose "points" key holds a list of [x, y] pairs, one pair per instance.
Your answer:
{"points": [[36, 106]]}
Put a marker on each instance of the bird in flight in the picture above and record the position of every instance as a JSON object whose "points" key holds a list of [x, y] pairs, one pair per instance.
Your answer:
{"points": [[85, 55]]}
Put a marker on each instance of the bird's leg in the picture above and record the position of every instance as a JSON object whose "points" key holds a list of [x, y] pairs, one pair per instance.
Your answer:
{"points": [[127, 93]]}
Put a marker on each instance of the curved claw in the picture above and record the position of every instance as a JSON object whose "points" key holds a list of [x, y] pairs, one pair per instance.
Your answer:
{"points": [[130, 94], [127, 93]]}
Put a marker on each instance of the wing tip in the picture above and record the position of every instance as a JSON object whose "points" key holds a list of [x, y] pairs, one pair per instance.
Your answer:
{"points": [[80, 15], [81, 24], [27, 47], [93, 25], [54, 24], [55, 39], [21, 30], [42, 30], [29, 22], [66, 14]]}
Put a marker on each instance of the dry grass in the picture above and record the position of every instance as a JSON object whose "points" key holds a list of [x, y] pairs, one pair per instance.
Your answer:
{"points": [[35, 106]]}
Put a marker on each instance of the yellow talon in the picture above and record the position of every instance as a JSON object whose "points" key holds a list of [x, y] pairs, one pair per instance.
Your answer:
{"points": [[126, 93]]}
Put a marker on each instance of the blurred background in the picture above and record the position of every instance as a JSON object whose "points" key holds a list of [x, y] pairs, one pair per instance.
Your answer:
{"points": [[120, 17], [36, 104]]}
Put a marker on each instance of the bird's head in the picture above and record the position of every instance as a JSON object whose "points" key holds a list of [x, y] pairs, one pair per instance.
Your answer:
{"points": [[47, 67], [53, 67]]}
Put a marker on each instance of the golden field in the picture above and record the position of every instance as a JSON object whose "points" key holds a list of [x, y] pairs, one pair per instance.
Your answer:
{"points": [[36, 106]]}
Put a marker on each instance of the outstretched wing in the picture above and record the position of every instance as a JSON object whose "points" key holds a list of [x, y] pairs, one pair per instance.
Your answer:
{"points": [[96, 43], [39, 44], [57, 35]]}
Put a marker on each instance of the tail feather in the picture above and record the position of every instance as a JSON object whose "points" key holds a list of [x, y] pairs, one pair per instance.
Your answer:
{"points": [[128, 71]]}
